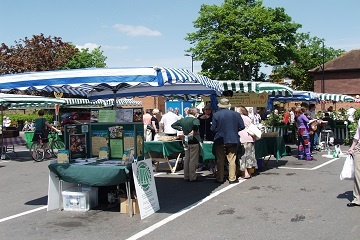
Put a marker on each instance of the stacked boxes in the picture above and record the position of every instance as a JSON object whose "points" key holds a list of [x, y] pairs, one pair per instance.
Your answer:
{"points": [[124, 205], [80, 199]]}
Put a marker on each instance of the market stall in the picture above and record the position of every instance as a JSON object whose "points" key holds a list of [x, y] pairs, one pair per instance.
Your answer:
{"points": [[17, 100]]}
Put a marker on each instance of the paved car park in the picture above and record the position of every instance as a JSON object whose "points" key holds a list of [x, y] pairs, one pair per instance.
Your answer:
{"points": [[287, 199]]}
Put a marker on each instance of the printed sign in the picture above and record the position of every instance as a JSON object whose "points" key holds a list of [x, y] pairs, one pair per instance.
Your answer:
{"points": [[145, 187]]}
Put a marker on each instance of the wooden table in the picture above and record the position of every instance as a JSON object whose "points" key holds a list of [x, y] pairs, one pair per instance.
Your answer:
{"points": [[160, 151]]}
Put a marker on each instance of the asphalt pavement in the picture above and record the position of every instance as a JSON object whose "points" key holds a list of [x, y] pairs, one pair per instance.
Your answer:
{"points": [[286, 199]]}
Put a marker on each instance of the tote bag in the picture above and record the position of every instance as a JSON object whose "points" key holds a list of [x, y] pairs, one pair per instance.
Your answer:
{"points": [[254, 131], [347, 172]]}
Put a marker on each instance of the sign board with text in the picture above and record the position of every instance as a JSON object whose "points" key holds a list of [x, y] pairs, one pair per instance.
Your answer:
{"points": [[246, 99]]}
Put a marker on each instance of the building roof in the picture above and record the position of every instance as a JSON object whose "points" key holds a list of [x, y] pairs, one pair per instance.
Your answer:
{"points": [[347, 61]]}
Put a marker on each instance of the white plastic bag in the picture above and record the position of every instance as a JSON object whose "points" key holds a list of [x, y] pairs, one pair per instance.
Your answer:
{"points": [[347, 172], [254, 131]]}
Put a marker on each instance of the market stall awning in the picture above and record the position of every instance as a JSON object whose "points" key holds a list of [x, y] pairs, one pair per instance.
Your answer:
{"points": [[101, 102], [257, 87], [304, 96], [18, 100], [107, 83], [335, 97]]}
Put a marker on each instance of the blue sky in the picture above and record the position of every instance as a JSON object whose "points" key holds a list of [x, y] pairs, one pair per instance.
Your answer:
{"points": [[136, 33]]}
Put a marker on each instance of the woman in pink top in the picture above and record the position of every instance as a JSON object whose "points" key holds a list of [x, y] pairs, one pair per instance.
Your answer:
{"points": [[247, 160]]}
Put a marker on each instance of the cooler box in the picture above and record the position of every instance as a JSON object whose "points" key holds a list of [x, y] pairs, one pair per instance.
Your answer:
{"points": [[80, 199]]}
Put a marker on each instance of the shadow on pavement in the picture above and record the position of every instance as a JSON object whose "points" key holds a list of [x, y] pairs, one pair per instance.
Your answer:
{"points": [[38, 201], [348, 195]]}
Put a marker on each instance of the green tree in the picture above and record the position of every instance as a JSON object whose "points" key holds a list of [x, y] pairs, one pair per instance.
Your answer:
{"points": [[86, 59], [308, 53], [39, 53], [233, 40]]}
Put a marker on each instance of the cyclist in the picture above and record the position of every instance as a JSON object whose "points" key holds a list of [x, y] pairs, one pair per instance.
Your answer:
{"points": [[40, 124]]}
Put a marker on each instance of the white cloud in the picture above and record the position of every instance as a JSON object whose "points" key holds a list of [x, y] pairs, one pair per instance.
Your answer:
{"points": [[90, 46], [136, 30], [115, 47]]}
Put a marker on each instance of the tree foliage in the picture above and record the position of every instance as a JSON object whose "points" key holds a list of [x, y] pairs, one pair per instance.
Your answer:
{"points": [[39, 53], [86, 59], [308, 53], [233, 40], [42, 53]]}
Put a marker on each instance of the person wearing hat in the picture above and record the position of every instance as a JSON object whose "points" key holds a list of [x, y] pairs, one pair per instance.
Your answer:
{"points": [[226, 124]]}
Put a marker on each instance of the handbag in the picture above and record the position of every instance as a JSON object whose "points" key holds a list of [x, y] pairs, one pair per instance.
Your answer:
{"points": [[150, 127], [254, 131], [348, 170]]}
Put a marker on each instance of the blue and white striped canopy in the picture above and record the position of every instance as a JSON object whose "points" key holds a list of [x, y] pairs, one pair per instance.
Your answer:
{"points": [[303, 96], [106, 83], [273, 89], [100, 102], [335, 97]]}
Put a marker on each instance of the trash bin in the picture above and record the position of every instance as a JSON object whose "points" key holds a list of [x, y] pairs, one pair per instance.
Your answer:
{"points": [[20, 124]]}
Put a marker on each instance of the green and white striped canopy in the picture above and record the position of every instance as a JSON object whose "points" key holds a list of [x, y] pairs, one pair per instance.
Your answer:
{"points": [[335, 97], [18, 100], [257, 87]]}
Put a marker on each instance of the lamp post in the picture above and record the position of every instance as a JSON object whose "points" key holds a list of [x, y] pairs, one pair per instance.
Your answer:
{"points": [[192, 60], [323, 67]]}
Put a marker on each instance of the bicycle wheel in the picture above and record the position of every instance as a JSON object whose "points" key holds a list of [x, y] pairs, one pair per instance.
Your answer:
{"points": [[55, 145], [37, 152]]}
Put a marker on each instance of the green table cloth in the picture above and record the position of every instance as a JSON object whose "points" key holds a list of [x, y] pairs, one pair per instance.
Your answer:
{"points": [[91, 174], [166, 148], [263, 147]]}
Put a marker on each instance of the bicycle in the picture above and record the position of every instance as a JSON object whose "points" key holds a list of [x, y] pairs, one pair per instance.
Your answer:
{"points": [[39, 152]]}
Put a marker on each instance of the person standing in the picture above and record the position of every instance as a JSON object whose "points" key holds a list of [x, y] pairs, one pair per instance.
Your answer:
{"points": [[304, 145], [257, 117], [205, 123], [350, 113], [190, 127], [176, 111], [167, 120], [356, 191], [147, 121], [247, 160], [226, 124], [155, 123]]}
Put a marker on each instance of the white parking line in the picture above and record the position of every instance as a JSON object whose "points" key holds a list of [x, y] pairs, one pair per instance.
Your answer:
{"points": [[314, 168], [181, 212], [22, 214]]}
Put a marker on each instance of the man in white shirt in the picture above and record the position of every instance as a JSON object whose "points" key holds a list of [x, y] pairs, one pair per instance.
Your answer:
{"points": [[167, 120], [350, 113]]}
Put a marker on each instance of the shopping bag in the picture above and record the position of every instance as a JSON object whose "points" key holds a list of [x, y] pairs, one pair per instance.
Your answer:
{"points": [[254, 131], [347, 172]]}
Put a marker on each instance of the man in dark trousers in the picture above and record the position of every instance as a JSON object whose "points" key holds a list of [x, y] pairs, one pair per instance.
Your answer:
{"points": [[190, 127], [226, 124]]}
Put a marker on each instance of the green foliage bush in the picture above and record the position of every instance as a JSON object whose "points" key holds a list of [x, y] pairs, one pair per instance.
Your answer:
{"points": [[15, 117]]}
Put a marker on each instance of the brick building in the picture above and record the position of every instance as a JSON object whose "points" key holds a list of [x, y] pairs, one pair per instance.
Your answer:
{"points": [[340, 76]]}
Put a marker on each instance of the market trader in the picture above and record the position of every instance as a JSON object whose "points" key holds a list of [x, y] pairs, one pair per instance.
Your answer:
{"points": [[226, 124]]}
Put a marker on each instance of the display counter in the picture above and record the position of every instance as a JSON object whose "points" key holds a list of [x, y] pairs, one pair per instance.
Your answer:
{"points": [[65, 175]]}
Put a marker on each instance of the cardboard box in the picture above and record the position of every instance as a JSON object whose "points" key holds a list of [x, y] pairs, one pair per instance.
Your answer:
{"points": [[124, 206], [80, 199]]}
